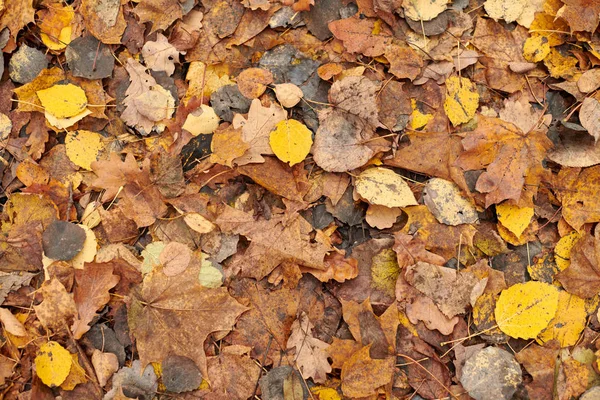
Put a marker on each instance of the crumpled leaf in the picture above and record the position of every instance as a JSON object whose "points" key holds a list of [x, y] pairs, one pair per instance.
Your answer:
{"points": [[160, 55], [194, 312], [525, 309], [311, 356], [461, 101]]}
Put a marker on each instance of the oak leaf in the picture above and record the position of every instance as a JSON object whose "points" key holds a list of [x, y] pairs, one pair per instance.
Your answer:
{"points": [[176, 314], [160, 55]]}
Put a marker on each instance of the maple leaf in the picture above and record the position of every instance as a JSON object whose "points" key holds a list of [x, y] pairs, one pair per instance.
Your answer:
{"points": [[91, 293], [310, 351], [142, 201], [176, 314], [512, 159], [273, 241]]}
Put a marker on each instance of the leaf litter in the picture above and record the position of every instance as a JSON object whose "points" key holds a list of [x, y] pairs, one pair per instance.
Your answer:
{"points": [[300, 199]]}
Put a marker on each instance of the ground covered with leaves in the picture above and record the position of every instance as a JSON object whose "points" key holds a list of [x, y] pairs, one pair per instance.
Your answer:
{"points": [[311, 199]]}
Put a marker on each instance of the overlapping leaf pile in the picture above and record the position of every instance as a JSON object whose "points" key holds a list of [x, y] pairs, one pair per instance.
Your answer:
{"points": [[282, 199]]}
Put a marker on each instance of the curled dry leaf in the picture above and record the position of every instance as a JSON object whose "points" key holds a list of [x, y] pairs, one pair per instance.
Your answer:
{"points": [[288, 94]]}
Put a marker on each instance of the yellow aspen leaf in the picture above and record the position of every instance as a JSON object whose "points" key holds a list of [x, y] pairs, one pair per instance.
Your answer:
{"points": [[291, 141], [60, 42], [560, 66], [562, 250], [203, 121], [384, 187], [461, 101], [76, 375], [515, 219], [536, 48], [417, 118], [567, 325], [63, 101], [325, 393], [83, 147], [53, 364], [525, 309]]}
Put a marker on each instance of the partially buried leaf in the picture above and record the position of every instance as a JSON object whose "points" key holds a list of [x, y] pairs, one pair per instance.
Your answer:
{"points": [[508, 10], [568, 323], [191, 313], [53, 363], [424, 309], [136, 379], [582, 276], [160, 55], [175, 258], [589, 115], [89, 59], [91, 293], [311, 356], [423, 10], [382, 217], [563, 248], [525, 309], [588, 81], [461, 101], [515, 219], [180, 374], [57, 308], [11, 324], [105, 365], [362, 375], [288, 94], [253, 82], [63, 101], [447, 204], [384, 187], [83, 147], [291, 141], [490, 374], [26, 64], [63, 240]]}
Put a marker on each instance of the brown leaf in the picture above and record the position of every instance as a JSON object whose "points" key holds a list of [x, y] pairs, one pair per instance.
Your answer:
{"points": [[581, 15], [404, 61], [362, 375], [252, 82], [104, 20], [91, 293], [161, 13], [589, 115], [273, 241], [160, 55], [512, 159], [227, 145], [310, 357], [232, 376], [582, 276], [176, 314], [58, 308], [358, 37], [277, 177], [575, 189]]}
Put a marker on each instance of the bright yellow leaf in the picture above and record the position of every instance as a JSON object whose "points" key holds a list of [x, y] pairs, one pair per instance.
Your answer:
{"points": [[515, 219], [560, 66], [63, 101], [82, 147], [76, 375], [417, 118], [384, 187], [562, 250], [61, 42], [461, 101], [536, 48], [525, 309], [53, 364], [291, 141], [325, 393], [567, 325]]}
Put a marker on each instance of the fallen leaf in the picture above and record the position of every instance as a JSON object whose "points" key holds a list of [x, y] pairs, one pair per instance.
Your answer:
{"points": [[53, 363], [105, 365], [423, 10], [462, 100], [202, 121], [362, 375], [589, 81], [180, 374], [310, 357], [291, 141], [175, 258], [83, 147], [525, 309], [589, 115], [91, 293], [481, 377], [567, 325], [160, 55], [11, 324], [58, 308], [253, 82], [288, 94], [63, 101], [582, 277], [62, 240], [445, 201], [196, 311], [384, 187], [161, 13], [507, 10], [515, 219]]}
